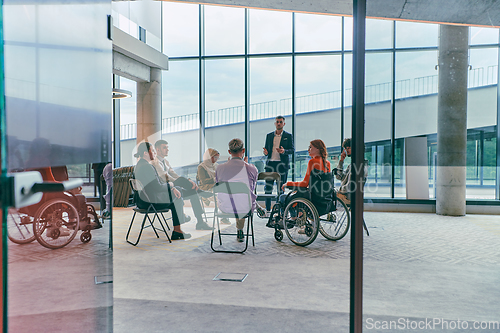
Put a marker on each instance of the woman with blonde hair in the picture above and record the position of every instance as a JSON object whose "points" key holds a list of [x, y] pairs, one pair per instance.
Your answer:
{"points": [[206, 169], [206, 174]]}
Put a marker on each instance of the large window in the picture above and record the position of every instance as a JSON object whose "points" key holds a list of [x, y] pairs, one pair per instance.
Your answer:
{"points": [[270, 31], [180, 116], [180, 17], [224, 30], [416, 105], [256, 64], [270, 95], [224, 103]]}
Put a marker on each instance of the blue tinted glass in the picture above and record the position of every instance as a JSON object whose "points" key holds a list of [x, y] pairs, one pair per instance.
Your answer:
{"points": [[317, 32], [270, 31], [413, 34], [58, 87], [481, 35], [224, 30], [180, 29]]}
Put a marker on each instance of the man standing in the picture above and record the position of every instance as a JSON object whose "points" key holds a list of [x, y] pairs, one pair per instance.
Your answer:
{"points": [[187, 187], [279, 144], [237, 170]]}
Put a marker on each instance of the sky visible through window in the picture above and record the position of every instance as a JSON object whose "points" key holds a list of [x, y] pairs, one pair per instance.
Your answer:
{"points": [[270, 32]]}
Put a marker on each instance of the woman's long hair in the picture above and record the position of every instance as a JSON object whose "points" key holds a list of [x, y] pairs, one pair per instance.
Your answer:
{"points": [[320, 145]]}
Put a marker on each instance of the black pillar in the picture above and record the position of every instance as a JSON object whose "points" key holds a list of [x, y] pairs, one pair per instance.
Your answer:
{"points": [[356, 185]]}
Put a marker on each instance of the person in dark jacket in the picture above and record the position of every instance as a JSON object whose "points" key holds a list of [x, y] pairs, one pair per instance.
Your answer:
{"points": [[278, 147]]}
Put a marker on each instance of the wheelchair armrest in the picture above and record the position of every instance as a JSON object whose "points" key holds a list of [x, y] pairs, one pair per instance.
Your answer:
{"points": [[294, 188]]}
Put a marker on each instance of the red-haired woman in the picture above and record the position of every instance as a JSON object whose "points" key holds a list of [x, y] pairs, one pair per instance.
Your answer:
{"points": [[317, 150], [318, 164]]}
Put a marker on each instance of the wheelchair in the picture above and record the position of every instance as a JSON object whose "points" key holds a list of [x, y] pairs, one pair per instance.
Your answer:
{"points": [[55, 220], [308, 212]]}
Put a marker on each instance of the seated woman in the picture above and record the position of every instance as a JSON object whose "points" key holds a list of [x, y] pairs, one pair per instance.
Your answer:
{"points": [[206, 170], [160, 194], [317, 164], [206, 175]]}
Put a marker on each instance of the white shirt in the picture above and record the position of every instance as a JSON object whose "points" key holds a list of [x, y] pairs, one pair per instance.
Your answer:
{"points": [[275, 156]]}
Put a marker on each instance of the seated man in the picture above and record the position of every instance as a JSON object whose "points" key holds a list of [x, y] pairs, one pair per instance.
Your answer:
{"points": [[345, 175], [237, 170], [161, 194], [187, 187]]}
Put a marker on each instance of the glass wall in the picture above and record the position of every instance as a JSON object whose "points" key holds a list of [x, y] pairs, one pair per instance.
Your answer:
{"points": [[57, 259], [270, 96], [317, 105], [310, 56], [180, 116], [128, 122], [232, 70], [224, 103]]}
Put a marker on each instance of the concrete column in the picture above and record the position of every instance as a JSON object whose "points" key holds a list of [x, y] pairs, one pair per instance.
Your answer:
{"points": [[452, 120], [149, 108]]}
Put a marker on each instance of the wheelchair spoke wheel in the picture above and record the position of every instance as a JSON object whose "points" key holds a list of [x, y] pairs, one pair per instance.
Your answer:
{"points": [[334, 225], [19, 227], [56, 223], [301, 221]]}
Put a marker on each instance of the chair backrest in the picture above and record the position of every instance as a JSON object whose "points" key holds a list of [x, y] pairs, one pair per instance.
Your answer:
{"points": [[270, 176], [136, 185], [321, 186], [138, 190], [233, 198]]}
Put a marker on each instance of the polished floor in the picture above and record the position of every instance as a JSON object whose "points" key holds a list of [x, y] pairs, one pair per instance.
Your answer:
{"points": [[417, 268]]}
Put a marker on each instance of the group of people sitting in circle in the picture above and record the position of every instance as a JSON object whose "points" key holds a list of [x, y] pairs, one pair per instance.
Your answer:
{"points": [[166, 189]]}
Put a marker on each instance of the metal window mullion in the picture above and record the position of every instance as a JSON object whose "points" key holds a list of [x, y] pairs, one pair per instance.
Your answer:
{"points": [[393, 110], [294, 134], [201, 78], [247, 84], [116, 126], [342, 85], [497, 185]]}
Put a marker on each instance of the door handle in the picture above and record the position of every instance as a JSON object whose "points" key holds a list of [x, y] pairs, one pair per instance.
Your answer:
{"points": [[23, 189]]}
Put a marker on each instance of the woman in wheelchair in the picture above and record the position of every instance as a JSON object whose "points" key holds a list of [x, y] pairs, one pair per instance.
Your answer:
{"points": [[311, 207], [310, 188]]}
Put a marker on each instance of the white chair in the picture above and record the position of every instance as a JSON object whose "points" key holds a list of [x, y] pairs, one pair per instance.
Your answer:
{"points": [[242, 208]]}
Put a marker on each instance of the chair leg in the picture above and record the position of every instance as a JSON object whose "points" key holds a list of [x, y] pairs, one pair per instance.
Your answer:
{"points": [[140, 232], [213, 231], [151, 223], [250, 221], [165, 220], [165, 231], [157, 216], [366, 228]]}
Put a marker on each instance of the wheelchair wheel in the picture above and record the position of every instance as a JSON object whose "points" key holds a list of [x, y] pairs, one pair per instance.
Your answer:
{"points": [[19, 227], [56, 223], [334, 225], [278, 235], [301, 221]]}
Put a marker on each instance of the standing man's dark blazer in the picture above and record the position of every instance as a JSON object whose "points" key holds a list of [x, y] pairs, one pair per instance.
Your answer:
{"points": [[286, 142]]}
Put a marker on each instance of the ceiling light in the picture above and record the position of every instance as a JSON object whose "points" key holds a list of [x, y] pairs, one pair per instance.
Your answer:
{"points": [[120, 93]]}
